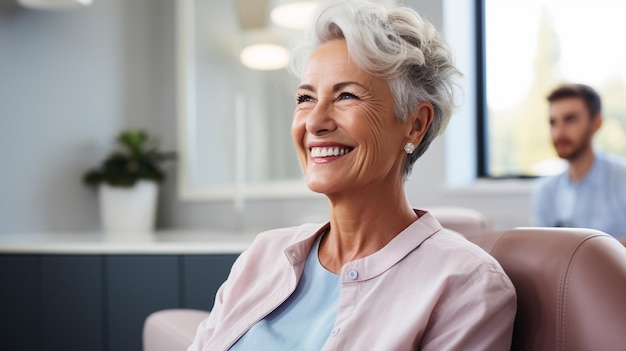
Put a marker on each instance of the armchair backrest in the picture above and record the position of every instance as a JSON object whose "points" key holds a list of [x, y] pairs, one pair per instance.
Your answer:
{"points": [[571, 287], [466, 221]]}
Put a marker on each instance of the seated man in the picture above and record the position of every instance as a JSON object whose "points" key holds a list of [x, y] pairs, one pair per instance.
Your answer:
{"points": [[591, 193]]}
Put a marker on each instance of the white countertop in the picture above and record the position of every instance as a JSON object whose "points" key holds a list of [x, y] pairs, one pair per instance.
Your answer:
{"points": [[159, 242]]}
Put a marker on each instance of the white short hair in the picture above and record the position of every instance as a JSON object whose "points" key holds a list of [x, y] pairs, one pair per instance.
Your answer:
{"points": [[397, 45]]}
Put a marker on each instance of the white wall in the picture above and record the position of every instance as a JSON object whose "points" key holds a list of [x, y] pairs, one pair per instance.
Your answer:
{"points": [[72, 80], [69, 82]]}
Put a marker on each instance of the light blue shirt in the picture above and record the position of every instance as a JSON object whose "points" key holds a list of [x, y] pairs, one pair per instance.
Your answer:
{"points": [[598, 201], [305, 320]]}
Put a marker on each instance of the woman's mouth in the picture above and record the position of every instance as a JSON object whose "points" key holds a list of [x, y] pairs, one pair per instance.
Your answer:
{"points": [[331, 151]]}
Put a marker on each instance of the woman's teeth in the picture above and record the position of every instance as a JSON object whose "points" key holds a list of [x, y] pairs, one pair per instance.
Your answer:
{"points": [[329, 151]]}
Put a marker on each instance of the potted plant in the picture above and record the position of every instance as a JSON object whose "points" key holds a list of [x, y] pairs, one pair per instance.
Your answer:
{"points": [[127, 182]]}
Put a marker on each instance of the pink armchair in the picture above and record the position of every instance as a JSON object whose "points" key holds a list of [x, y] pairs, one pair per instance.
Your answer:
{"points": [[171, 330]]}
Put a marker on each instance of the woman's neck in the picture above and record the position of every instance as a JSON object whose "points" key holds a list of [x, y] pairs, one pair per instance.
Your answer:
{"points": [[361, 224]]}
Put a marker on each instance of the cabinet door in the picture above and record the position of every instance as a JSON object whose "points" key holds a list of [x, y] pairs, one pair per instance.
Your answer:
{"points": [[72, 302], [202, 276], [136, 286], [20, 302]]}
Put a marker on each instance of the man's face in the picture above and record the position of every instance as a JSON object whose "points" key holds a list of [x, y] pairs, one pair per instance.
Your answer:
{"points": [[571, 127]]}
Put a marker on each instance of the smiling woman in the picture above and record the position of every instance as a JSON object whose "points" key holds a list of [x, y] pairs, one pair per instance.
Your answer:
{"points": [[341, 106], [376, 87]]}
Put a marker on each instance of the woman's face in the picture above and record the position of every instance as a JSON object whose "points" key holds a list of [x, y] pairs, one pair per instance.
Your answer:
{"points": [[344, 128]]}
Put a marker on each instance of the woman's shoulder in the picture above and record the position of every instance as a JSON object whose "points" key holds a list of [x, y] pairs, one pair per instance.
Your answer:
{"points": [[281, 238], [455, 252], [289, 234]]}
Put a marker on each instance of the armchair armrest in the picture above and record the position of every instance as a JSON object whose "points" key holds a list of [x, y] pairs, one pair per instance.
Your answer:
{"points": [[172, 329]]}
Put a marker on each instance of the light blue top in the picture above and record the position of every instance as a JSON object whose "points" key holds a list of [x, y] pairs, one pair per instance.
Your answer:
{"points": [[304, 321], [598, 201]]}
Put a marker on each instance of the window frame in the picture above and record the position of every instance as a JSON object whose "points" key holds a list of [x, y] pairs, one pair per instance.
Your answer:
{"points": [[481, 110], [482, 116]]}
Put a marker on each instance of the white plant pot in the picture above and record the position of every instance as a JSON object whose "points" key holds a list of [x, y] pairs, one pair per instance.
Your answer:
{"points": [[128, 210]]}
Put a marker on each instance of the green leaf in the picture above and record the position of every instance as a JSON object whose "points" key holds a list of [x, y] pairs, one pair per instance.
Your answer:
{"points": [[139, 158]]}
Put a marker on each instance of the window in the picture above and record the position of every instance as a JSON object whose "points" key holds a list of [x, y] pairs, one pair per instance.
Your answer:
{"points": [[525, 49]]}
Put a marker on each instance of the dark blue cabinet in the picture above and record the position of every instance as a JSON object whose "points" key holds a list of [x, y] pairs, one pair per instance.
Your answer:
{"points": [[72, 301], [136, 287], [98, 302], [20, 307], [202, 276]]}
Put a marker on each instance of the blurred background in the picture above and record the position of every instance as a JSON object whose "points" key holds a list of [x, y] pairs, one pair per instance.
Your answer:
{"points": [[70, 80]]}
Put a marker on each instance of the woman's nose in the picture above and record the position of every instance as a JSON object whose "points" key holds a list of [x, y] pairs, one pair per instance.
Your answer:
{"points": [[320, 121]]}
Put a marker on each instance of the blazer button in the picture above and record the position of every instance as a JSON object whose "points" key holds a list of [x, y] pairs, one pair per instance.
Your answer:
{"points": [[353, 274]]}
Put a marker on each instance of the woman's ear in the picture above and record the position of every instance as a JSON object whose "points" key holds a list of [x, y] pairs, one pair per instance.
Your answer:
{"points": [[420, 120]]}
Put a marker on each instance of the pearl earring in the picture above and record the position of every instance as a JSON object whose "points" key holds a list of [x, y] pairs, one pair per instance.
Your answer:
{"points": [[409, 148]]}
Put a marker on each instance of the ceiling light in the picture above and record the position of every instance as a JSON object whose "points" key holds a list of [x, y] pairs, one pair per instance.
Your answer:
{"points": [[265, 56], [53, 4], [293, 14]]}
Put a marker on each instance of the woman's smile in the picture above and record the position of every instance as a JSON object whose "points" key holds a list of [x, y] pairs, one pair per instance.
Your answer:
{"points": [[327, 152]]}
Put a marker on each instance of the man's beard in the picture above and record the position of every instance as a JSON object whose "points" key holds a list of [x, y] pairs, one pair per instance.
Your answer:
{"points": [[578, 148]]}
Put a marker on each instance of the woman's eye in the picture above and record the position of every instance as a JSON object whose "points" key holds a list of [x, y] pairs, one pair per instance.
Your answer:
{"points": [[303, 98], [346, 95]]}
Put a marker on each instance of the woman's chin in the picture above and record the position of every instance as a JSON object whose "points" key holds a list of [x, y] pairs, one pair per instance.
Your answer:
{"points": [[321, 186], [316, 188]]}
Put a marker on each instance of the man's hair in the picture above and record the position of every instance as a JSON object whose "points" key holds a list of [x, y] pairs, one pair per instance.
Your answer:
{"points": [[589, 96]]}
